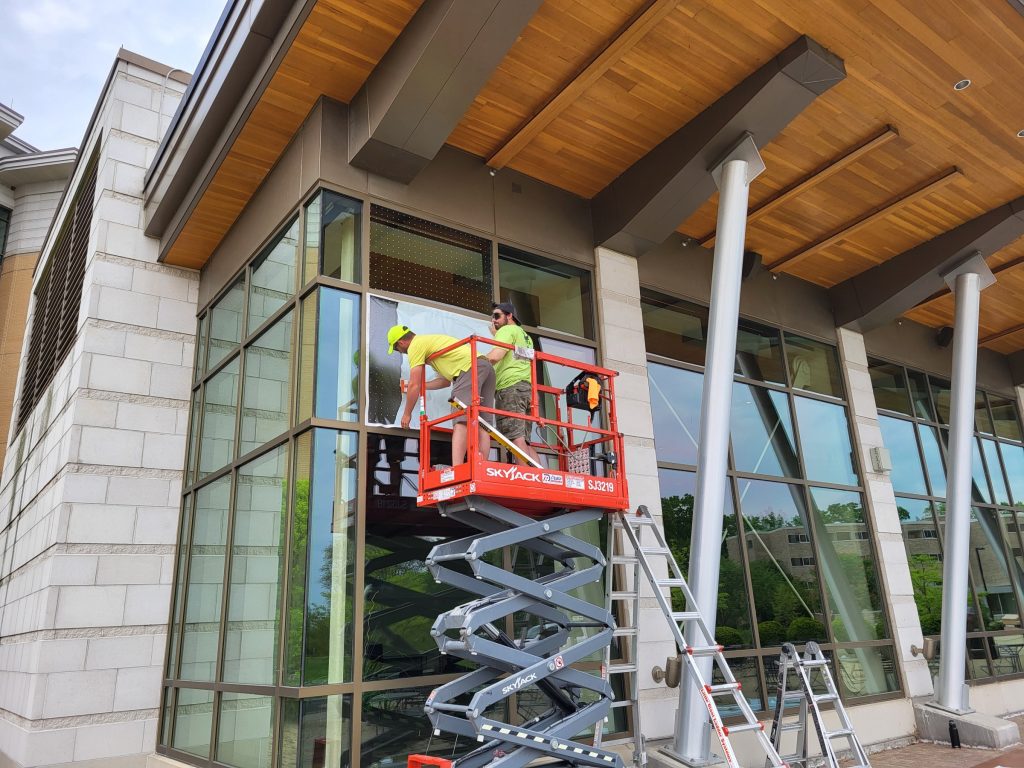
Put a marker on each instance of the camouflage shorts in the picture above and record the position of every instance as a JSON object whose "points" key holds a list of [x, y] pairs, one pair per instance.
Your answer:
{"points": [[515, 399]]}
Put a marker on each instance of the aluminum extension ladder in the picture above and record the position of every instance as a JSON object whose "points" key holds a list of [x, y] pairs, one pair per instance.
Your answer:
{"points": [[633, 527], [812, 668], [622, 593], [475, 704]]}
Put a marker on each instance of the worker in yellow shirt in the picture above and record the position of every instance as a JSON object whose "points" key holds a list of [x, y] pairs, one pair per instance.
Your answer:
{"points": [[513, 391], [452, 366]]}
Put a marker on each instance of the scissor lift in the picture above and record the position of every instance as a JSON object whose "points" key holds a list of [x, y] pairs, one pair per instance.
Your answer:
{"points": [[581, 479]]}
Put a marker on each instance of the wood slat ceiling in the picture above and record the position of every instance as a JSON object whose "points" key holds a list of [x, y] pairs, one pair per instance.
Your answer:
{"points": [[339, 44], [902, 58]]}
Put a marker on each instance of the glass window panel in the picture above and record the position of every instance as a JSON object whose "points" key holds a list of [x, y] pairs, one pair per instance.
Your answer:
{"points": [[866, 671], [733, 620], [941, 394], [323, 559], [166, 712], [1013, 458], [1004, 414], [979, 484], [226, 323], [745, 671], [317, 732], [889, 386], [924, 557], [919, 396], [200, 361], [990, 570], [674, 328], [933, 459], [267, 394], [1007, 654], [559, 376], [420, 258], [205, 582], [246, 722], [337, 389], [401, 599], [180, 569], [272, 282], [257, 549], [193, 721], [982, 421], [193, 437], [759, 353], [825, 440], [783, 567], [995, 472], [907, 473], [383, 744], [813, 366], [220, 407], [762, 432], [546, 293], [307, 357], [336, 232], [675, 404], [846, 559]]}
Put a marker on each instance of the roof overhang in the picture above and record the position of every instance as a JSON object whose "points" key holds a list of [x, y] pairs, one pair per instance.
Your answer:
{"points": [[54, 165], [9, 121]]}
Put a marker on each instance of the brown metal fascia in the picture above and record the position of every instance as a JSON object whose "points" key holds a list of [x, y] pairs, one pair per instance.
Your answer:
{"points": [[210, 102], [422, 87], [646, 203], [1016, 363], [883, 293]]}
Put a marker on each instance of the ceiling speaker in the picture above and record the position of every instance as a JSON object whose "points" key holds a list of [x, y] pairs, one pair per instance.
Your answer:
{"points": [[944, 336]]}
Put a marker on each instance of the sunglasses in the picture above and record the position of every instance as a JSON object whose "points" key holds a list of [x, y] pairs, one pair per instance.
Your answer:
{"points": [[498, 315]]}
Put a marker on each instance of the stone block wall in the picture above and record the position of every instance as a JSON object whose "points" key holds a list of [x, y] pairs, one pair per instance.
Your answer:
{"points": [[90, 491]]}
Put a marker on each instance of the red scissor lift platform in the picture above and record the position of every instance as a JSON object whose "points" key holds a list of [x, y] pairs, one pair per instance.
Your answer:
{"points": [[573, 449]]}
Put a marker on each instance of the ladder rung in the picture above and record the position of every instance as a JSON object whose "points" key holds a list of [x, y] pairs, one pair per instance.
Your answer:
{"points": [[671, 582], [793, 695], [706, 650], [621, 669], [625, 595], [623, 559], [741, 727], [624, 631], [686, 616], [635, 521], [840, 732], [825, 698], [790, 759], [714, 690], [814, 663], [621, 703], [655, 550], [791, 727]]}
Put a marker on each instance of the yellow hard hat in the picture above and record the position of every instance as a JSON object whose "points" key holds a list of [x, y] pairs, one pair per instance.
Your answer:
{"points": [[395, 332]]}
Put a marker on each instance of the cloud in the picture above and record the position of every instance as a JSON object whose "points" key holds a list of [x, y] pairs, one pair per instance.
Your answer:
{"points": [[62, 50]]}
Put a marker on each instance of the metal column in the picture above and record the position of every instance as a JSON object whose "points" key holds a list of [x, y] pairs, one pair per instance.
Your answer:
{"points": [[967, 281], [733, 176]]}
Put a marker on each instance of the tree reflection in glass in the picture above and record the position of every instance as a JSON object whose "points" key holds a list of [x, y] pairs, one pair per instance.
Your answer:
{"points": [[924, 557], [783, 566], [733, 619]]}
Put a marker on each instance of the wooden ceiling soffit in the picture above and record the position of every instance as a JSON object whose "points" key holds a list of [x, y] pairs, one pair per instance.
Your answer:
{"points": [[1001, 334], [410, 104], [849, 229], [813, 179], [646, 203], [995, 271], [881, 294], [633, 31]]}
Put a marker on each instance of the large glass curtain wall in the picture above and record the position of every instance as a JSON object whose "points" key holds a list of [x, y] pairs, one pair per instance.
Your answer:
{"points": [[914, 417], [798, 561], [302, 604]]}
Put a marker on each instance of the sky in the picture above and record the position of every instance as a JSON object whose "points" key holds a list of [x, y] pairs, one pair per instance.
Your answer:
{"points": [[56, 55]]}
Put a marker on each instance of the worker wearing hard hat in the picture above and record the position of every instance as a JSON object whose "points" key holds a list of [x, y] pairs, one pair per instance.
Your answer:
{"points": [[452, 366]]}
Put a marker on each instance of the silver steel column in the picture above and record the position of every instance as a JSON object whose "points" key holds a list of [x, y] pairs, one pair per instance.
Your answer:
{"points": [[733, 175], [967, 283]]}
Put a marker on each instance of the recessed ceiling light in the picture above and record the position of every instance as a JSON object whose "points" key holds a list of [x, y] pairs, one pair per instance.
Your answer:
{"points": [[962, 85]]}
